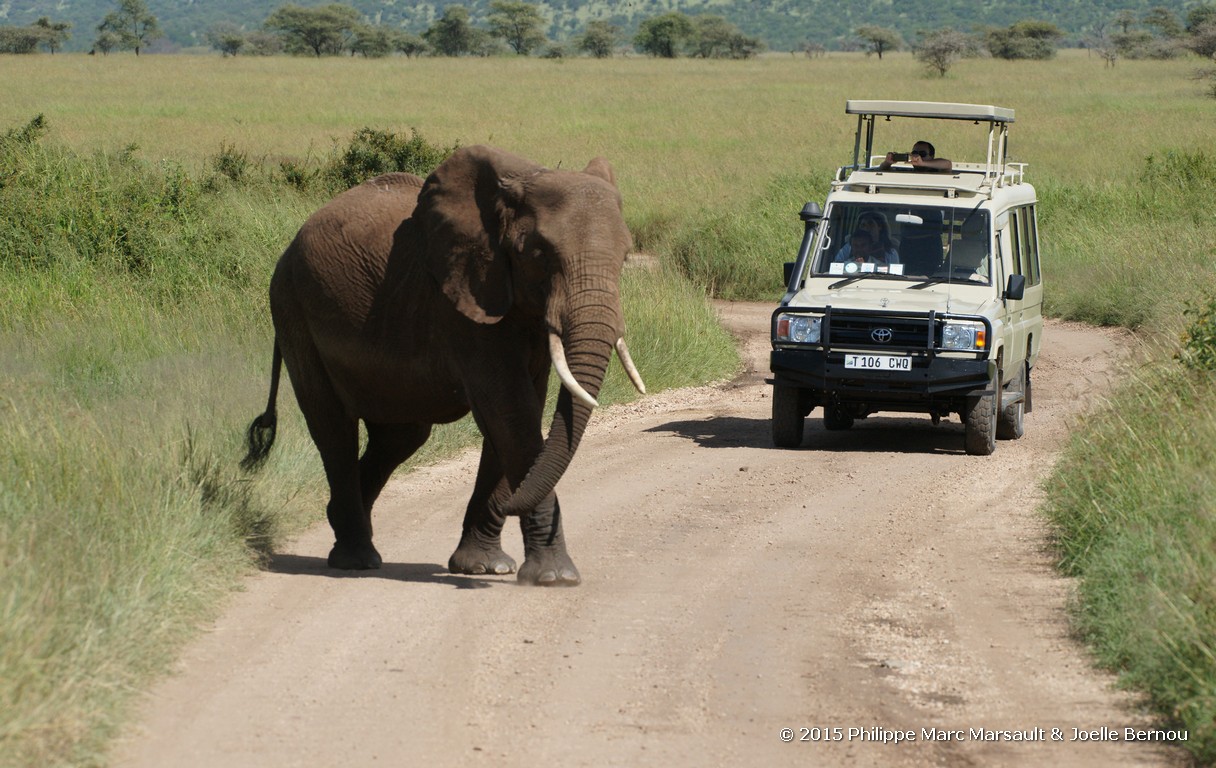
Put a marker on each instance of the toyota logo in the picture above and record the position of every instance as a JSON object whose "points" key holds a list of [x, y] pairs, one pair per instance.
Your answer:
{"points": [[882, 335]]}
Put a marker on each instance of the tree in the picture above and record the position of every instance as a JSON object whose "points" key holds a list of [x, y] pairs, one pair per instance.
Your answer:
{"points": [[52, 33], [19, 39], [132, 25], [1133, 44], [319, 31], [451, 35], [713, 37], [1203, 40], [519, 23], [599, 39], [410, 45], [373, 41], [260, 42], [1164, 21], [1201, 28], [106, 41], [226, 37], [1103, 45], [1024, 40], [1199, 16], [663, 35], [939, 50], [1125, 20], [879, 39]]}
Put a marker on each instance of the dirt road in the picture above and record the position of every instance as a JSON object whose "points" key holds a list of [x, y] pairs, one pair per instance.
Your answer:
{"points": [[877, 580]]}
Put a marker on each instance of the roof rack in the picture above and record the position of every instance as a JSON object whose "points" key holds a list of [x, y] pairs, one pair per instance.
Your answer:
{"points": [[995, 168]]}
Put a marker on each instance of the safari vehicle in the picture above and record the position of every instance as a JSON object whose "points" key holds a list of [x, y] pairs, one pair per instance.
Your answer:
{"points": [[949, 324]]}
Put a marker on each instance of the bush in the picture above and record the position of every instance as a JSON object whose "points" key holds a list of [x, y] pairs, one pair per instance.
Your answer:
{"points": [[1199, 340], [372, 152], [231, 163]]}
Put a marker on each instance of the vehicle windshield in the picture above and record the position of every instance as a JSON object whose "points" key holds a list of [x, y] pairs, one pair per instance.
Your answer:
{"points": [[913, 242]]}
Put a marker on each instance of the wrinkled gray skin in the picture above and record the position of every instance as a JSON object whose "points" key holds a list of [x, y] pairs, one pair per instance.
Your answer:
{"points": [[407, 304]]}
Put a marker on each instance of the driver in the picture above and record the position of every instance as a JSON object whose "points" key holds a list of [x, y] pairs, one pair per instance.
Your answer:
{"points": [[864, 247]]}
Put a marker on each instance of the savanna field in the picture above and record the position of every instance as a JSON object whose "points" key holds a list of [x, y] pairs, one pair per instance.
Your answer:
{"points": [[144, 202]]}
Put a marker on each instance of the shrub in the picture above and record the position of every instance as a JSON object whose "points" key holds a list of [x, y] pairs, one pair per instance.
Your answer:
{"points": [[1199, 340], [372, 152], [231, 163]]}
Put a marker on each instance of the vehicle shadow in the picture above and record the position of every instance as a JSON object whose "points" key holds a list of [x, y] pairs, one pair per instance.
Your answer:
{"points": [[415, 573], [875, 434]]}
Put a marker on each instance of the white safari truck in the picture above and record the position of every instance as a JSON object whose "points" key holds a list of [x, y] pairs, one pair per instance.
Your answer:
{"points": [[937, 311]]}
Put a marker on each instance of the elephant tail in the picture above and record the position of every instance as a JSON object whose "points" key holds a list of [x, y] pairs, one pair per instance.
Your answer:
{"points": [[262, 431]]}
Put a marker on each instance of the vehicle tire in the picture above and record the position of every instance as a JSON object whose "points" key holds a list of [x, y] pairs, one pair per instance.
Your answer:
{"points": [[979, 422], [1010, 424], [788, 417], [836, 418]]}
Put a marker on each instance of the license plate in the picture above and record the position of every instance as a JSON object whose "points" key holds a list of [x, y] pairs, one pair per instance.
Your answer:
{"points": [[878, 362]]}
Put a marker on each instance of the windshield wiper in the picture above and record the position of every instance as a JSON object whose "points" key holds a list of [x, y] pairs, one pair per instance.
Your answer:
{"points": [[863, 276], [929, 282]]}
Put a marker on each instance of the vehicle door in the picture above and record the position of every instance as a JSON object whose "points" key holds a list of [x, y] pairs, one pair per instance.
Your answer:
{"points": [[1031, 310], [1008, 312]]}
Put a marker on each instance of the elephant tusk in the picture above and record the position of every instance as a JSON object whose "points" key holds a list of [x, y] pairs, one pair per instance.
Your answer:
{"points": [[622, 352], [558, 354]]}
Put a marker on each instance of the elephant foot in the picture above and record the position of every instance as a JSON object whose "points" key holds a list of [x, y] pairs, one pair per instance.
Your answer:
{"points": [[354, 557], [549, 569], [477, 559]]}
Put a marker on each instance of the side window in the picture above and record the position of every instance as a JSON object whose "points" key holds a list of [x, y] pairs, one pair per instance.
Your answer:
{"points": [[1016, 225], [1032, 247]]}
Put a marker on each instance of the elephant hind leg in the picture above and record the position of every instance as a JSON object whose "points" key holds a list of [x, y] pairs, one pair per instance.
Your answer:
{"points": [[388, 446], [337, 440], [336, 436]]}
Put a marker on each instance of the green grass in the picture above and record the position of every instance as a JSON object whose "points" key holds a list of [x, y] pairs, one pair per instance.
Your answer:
{"points": [[1133, 506], [137, 238]]}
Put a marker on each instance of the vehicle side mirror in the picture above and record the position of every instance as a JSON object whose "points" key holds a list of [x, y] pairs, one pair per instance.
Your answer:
{"points": [[788, 272], [1016, 288]]}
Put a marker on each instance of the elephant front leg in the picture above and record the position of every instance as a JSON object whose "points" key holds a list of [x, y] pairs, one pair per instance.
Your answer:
{"points": [[480, 549], [546, 562]]}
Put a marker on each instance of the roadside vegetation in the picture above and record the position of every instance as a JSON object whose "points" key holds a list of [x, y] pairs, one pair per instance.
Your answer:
{"points": [[142, 210]]}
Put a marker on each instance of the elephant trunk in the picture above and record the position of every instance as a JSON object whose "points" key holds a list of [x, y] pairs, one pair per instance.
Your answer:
{"points": [[581, 356]]}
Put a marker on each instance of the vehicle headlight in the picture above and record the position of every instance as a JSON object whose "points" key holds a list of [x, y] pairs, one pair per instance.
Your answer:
{"points": [[802, 329], [955, 336]]}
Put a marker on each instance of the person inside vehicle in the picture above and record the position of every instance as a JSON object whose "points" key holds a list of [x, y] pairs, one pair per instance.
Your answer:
{"points": [[870, 242], [921, 158]]}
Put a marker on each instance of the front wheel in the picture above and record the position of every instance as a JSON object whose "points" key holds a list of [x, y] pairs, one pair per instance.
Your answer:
{"points": [[788, 418], [980, 421]]}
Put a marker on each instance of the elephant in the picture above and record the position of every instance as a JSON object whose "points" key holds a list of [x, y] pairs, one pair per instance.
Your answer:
{"points": [[405, 303]]}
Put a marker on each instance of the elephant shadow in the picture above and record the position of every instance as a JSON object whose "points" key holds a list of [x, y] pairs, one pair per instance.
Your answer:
{"points": [[872, 435], [415, 573], [720, 431]]}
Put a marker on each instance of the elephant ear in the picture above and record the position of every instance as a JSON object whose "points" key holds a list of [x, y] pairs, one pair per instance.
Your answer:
{"points": [[463, 212], [600, 167]]}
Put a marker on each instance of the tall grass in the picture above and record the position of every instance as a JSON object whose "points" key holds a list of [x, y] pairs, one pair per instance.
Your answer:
{"points": [[1134, 497], [1133, 502], [1133, 253], [136, 241]]}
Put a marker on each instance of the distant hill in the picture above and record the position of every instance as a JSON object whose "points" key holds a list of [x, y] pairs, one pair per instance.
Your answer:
{"points": [[781, 24]]}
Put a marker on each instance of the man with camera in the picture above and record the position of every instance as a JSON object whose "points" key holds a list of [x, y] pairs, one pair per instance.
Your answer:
{"points": [[921, 158]]}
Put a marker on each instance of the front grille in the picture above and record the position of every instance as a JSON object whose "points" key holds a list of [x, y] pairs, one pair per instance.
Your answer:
{"points": [[858, 332]]}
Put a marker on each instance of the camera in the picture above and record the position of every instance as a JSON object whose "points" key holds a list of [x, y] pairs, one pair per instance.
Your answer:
{"points": [[900, 157]]}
